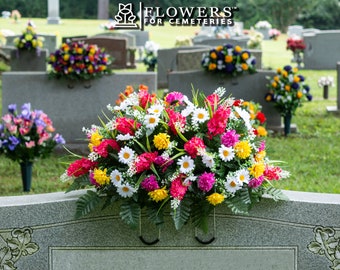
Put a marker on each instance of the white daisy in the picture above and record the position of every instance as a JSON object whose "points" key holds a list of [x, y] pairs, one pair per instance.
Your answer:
{"points": [[155, 109], [200, 115], [116, 178], [186, 164], [151, 121], [245, 116], [226, 153], [126, 155], [208, 160], [243, 176], [125, 190], [232, 184]]}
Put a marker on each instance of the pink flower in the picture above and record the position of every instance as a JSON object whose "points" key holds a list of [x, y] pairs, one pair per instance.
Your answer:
{"points": [[256, 182], [174, 98], [177, 189], [218, 123], [262, 146], [230, 138], [7, 118], [43, 137], [145, 97], [175, 120], [272, 172], [30, 144], [193, 145], [105, 146], [92, 180], [206, 181], [12, 129], [144, 161], [80, 167], [212, 100], [150, 183]]}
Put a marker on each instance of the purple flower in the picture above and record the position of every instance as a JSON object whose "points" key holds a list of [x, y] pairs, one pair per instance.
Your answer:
{"points": [[230, 138], [13, 142], [206, 181], [295, 85], [26, 111], [12, 108], [59, 139], [150, 183], [287, 68]]}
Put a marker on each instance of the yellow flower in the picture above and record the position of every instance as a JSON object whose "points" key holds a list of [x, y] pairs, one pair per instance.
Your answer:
{"points": [[242, 149], [95, 140], [276, 78], [66, 57], [212, 66], [296, 79], [274, 84], [295, 70], [260, 156], [161, 141], [257, 169], [215, 198], [279, 70], [158, 194], [287, 87], [213, 55], [245, 55], [299, 94], [219, 48], [261, 131], [238, 49], [284, 73], [101, 177], [228, 59], [244, 66], [28, 37]]}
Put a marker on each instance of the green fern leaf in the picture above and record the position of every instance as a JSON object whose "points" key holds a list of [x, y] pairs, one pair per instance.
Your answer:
{"points": [[200, 215], [130, 213], [240, 203], [155, 215], [182, 214], [276, 194], [79, 183], [87, 203]]}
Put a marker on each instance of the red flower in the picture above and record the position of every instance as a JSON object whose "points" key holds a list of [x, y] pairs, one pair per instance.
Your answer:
{"points": [[261, 117], [127, 126], [218, 123], [175, 120], [212, 100], [177, 189], [193, 145], [144, 161], [80, 167], [105, 146]]}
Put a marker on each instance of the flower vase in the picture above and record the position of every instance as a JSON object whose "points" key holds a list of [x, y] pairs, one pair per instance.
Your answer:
{"points": [[287, 119], [325, 92], [298, 59], [26, 175]]}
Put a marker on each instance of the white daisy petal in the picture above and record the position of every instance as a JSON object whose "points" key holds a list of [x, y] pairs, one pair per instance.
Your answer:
{"points": [[116, 178], [232, 184], [126, 190], [126, 155], [226, 153], [243, 176], [186, 164], [200, 115], [151, 121]]}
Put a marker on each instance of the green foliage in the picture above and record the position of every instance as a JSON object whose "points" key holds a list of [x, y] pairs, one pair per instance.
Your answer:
{"points": [[130, 213], [240, 203], [182, 214], [87, 203], [79, 183]]}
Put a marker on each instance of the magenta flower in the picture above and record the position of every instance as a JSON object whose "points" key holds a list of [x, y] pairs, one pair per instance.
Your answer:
{"points": [[174, 98], [206, 181], [150, 183], [256, 182], [230, 138], [177, 189], [193, 145]]}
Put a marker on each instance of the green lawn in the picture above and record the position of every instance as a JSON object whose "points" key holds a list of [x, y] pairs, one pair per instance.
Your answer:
{"points": [[311, 155]]}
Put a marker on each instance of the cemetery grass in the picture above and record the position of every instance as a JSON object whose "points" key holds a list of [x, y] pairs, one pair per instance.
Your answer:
{"points": [[311, 155]]}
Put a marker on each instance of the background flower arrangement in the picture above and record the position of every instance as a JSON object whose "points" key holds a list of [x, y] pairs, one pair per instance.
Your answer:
{"points": [[255, 39], [263, 25], [79, 61], [274, 33], [229, 60], [288, 90], [29, 40], [150, 58], [27, 135], [187, 155], [295, 44]]}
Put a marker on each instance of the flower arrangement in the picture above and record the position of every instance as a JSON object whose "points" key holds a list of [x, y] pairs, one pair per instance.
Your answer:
{"points": [[263, 25], [255, 39], [150, 59], [187, 155], [77, 60], [326, 81], [257, 117], [29, 40], [229, 60], [15, 15], [27, 135], [274, 33], [296, 44], [288, 89], [110, 25]]}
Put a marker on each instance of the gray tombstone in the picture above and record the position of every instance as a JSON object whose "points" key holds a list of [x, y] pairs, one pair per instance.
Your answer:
{"points": [[131, 39], [53, 12], [251, 87], [236, 40], [295, 30], [115, 47], [319, 42], [141, 38], [23, 60]]}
